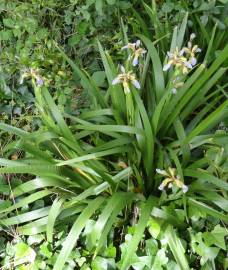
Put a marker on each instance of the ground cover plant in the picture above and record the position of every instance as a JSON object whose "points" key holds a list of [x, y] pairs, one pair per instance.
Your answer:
{"points": [[138, 180]]}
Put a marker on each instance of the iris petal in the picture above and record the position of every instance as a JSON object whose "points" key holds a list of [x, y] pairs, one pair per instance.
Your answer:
{"points": [[116, 81], [122, 69], [136, 84], [166, 67], [193, 61], [135, 61]]}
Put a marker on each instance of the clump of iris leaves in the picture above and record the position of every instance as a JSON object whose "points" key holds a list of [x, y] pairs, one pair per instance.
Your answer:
{"points": [[138, 180]]}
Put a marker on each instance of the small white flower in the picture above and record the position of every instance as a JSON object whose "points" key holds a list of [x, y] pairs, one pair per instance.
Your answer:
{"points": [[132, 46], [192, 50]]}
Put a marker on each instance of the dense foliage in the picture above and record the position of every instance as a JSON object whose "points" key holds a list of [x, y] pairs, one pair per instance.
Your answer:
{"points": [[114, 150]]}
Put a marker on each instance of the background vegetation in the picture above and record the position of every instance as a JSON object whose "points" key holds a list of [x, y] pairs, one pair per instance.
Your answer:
{"points": [[82, 160]]}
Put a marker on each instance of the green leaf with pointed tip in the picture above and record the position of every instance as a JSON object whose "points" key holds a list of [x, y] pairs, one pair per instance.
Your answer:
{"points": [[75, 231], [53, 213], [139, 231], [176, 248], [157, 67]]}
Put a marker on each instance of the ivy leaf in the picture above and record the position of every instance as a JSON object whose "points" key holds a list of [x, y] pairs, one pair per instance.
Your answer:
{"points": [[144, 261], [74, 40], [8, 23], [24, 254], [6, 34], [216, 237], [103, 264], [154, 227], [44, 250], [160, 260]]}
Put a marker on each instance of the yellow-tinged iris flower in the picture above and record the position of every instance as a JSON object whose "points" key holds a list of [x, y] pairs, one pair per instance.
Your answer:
{"points": [[137, 51], [184, 59], [171, 179], [177, 59], [126, 78], [192, 50], [31, 73]]}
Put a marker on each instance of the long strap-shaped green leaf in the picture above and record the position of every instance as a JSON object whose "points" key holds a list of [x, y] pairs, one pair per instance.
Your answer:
{"points": [[53, 213], [26, 217], [157, 67], [199, 99], [33, 169], [41, 182], [149, 147], [208, 210], [108, 217], [117, 95], [176, 248], [27, 200], [57, 115], [158, 27], [67, 216], [17, 131], [203, 176], [139, 231], [75, 231], [94, 155], [196, 86], [208, 122]]}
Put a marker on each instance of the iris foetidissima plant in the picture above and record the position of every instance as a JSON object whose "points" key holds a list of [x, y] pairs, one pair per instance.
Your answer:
{"points": [[172, 179], [164, 132]]}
